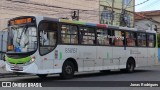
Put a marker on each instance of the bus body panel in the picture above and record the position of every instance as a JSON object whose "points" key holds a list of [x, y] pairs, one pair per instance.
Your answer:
{"points": [[142, 56], [88, 61], [104, 57]]}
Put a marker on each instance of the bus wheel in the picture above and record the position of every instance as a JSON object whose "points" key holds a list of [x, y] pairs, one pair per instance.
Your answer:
{"points": [[42, 75], [67, 70], [105, 71], [130, 66]]}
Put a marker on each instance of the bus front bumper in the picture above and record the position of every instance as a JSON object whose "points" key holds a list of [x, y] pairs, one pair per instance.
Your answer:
{"points": [[32, 68]]}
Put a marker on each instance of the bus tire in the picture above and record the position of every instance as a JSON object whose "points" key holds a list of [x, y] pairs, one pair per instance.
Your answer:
{"points": [[67, 70], [42, 75], [130, 66], [105, 71]]}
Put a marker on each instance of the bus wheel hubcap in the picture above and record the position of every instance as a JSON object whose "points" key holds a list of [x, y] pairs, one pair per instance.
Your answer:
{"points": [[68, 69], [130, 66]]}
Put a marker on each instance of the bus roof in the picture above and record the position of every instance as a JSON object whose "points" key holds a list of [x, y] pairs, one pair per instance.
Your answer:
{"points": [[93, 24]]}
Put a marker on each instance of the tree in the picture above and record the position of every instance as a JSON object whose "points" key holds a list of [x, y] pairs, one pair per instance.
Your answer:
{"points": [[158, 37]]}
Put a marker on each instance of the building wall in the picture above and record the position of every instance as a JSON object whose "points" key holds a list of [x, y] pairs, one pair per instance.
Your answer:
{"points": [[88, 9], [145, 24], [157, 18], [117, 8], [148, 19], [3, 43]]}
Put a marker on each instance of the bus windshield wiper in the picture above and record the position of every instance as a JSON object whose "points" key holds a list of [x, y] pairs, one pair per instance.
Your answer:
{"points": [[23, 31]]}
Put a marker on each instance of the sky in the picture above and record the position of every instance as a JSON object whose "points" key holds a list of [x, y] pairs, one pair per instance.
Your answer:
{"points": [[147, 6]]}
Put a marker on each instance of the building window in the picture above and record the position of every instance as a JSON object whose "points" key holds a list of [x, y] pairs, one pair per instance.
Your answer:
{"points": [[141, 39], [106, 16], [127, 2], [131, 38], [87, 35], [69, 34], [103, 37]]}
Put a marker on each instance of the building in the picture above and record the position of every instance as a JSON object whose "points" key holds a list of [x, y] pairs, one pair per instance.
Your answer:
{"points": [[148, 20], [117, 12], [88, 9], [95, 11]]}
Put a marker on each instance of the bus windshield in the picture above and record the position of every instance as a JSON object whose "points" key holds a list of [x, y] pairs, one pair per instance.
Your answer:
{"points": [[23, 38]]}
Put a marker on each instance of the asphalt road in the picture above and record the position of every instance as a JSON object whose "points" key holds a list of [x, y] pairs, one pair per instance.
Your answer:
{"points": [[148, 74], [151, 73]]}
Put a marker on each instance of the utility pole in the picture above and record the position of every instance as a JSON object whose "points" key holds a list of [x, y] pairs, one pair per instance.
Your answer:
{"points": [[112, 12]]}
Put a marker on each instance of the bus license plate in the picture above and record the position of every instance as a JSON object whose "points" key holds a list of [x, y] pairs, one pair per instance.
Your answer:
{"points": [[18, 67]]}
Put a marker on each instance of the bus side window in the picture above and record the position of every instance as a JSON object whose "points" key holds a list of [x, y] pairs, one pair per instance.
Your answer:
{"points": [[87, 35], [150, 40], [141, 37], [64, 30], [118, 38], [131, 38], [103, 37], [69, 34]]}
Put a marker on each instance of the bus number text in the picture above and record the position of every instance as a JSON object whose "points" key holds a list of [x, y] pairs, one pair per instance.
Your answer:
{"points": [[70, 50]]}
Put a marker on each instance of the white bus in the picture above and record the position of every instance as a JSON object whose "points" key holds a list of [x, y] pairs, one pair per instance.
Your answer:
{"points": [[42, 45]]}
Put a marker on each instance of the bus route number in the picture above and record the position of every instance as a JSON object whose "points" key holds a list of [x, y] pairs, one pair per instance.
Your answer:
{"points": [[71, 50]]}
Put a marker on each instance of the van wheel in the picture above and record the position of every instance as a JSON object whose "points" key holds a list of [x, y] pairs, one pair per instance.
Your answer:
{"points": [[42, 75], [130, 66], [67, 70]]}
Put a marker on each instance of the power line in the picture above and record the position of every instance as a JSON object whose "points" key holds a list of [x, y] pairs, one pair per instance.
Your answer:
{"points": [[29, 7], [89, 12], [33, 3], [139, 4], [74, 3], [28, 10], [63, 8], [151, 4]]}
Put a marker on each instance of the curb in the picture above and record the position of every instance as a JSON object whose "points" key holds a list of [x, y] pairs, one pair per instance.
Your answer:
{"points": [[8, 75]]}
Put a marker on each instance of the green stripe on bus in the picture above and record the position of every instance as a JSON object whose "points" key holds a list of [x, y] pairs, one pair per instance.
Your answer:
{"points": [[74, 22], [77, 22], [60, 55], [18, 61]]}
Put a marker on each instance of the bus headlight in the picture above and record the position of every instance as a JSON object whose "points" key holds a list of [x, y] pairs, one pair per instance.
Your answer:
{"points": [[33, 59]]}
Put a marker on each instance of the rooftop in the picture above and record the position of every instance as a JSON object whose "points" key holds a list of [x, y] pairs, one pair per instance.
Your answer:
{"points": [[146, 14]]}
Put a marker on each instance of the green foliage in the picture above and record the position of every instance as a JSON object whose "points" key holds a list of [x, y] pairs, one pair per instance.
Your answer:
{"points": [[158, 37]]}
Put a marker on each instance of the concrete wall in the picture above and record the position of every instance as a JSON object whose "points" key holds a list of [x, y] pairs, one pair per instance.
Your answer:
{"points": [[145, 24], [13, 9], [3, 23], [157, 18]]}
